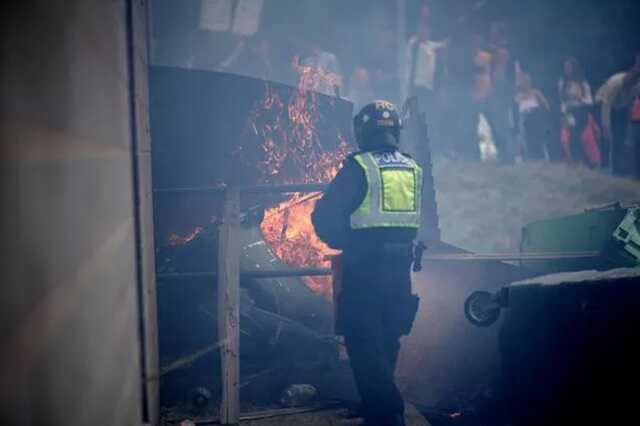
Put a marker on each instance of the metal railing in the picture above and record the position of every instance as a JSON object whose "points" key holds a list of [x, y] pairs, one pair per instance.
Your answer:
{"points": [[228, 276]]}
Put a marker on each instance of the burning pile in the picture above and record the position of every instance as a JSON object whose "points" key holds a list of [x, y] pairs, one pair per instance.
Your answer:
{"points": [[293, 154], [288, 230], [179, 240], [287, 130]]}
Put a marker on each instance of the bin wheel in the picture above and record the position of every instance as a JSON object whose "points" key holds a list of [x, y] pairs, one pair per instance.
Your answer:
{"points": [[480, 309]]}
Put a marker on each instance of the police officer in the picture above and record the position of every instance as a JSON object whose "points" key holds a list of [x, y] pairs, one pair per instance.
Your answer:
{"points": [[371, 211]]}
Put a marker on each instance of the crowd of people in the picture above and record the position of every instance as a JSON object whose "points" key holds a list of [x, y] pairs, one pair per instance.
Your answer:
{"points": [[481, 102]]}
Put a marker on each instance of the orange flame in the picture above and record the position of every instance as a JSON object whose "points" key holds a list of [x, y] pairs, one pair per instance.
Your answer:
{"points": [[293, 154], [178, 240], [288, 230]]}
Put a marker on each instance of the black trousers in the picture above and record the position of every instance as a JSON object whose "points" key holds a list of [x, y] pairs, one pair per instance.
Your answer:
{"points": [[373, 312], [620, 155], [538, 131]]}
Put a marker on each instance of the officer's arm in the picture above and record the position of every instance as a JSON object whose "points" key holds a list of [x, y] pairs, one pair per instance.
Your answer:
{"points": [[332, 214]]}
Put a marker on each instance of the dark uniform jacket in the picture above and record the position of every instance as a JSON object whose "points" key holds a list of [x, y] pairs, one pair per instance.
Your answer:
{"points": [[332, 214]]}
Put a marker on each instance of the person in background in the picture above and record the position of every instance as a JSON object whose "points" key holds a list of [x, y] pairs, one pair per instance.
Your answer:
{"points": [[482, 60], [424, 65], [575, 103], [467, 82], [360, 88], [533, 117], [251, 57], [482, 86], [616, 98], [632, 86], [383, 73], [499, 107], [613, 119], [315, 56]]}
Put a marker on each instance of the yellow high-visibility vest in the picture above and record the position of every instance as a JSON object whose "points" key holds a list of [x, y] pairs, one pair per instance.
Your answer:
{"points": [[394, 191]]}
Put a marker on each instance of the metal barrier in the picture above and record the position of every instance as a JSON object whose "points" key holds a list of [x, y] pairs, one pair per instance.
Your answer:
{"points": [[228, 276]]}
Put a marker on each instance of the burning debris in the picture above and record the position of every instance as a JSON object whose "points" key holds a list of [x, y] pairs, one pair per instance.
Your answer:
{"points": [[293, 149], [288, 230], [288, 132], [178, 240], [293, 153], [256, 132]]}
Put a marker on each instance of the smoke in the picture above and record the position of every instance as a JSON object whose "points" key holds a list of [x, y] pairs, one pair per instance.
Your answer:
{"points": [[543, 32], [482, 206]]}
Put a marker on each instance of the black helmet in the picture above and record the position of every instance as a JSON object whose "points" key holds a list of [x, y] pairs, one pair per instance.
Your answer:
{"points": [[376, 120]]}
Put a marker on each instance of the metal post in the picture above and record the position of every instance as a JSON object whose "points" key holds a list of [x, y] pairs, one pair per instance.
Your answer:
{"points": [[228, 309], [401, 41], [137, 14]]}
